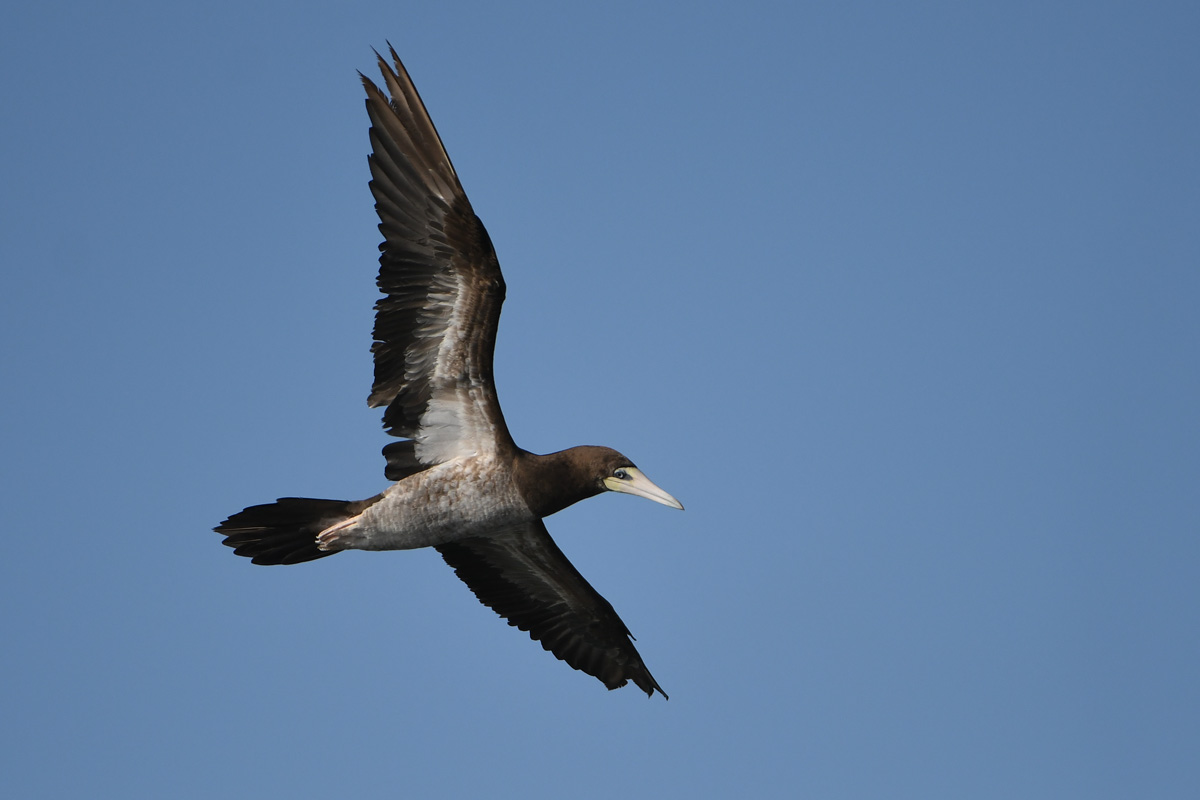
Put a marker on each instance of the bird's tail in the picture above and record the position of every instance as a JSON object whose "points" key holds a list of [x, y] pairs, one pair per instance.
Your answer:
{"points": [[285, 532]]}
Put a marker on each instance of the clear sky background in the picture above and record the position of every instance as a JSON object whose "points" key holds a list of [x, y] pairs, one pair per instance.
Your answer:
{"points": [[902, 300]]}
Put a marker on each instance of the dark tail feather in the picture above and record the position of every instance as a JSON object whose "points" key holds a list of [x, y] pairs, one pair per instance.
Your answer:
{"points": [[285, 532]]}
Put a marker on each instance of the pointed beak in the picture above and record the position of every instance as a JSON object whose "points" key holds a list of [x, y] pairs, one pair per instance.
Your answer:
{"points": [[638, 484]]}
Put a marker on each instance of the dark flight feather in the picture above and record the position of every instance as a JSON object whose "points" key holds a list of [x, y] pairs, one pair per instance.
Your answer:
{"points": [[525, 578]]}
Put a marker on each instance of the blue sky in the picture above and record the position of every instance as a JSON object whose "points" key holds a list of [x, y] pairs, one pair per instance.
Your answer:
{"points": [[900, 300]]}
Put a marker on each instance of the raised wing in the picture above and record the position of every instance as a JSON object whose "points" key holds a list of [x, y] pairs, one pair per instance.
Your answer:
{"points": [[524, 577], [435, 330]]}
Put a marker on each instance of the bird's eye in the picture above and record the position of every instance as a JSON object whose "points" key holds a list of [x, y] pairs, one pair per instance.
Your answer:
{"points": [[620, 474]]}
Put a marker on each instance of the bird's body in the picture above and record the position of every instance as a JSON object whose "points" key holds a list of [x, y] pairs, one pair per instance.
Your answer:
{"points": [[461, 483], [467, 496]]}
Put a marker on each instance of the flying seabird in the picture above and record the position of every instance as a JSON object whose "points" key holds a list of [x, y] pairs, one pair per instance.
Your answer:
{"points": [[461, 485]]}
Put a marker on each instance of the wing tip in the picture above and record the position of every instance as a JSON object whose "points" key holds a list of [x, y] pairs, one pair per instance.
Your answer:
{"points": [[643, 680]]}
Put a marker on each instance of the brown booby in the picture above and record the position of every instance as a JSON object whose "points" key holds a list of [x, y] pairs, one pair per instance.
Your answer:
{"points": [[461, 485]]}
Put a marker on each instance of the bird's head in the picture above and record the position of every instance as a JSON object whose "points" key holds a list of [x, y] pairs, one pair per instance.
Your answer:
{"points": [[616, 473]]}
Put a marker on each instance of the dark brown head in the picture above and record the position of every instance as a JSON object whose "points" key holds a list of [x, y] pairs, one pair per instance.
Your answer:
{"points": [[552, 482]]}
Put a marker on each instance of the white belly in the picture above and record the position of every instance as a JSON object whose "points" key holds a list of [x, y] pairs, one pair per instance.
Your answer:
{"points": [[455, 500]]}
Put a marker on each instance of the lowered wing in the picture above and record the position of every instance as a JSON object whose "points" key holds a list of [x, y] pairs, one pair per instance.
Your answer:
{"points": [[523, 576]]}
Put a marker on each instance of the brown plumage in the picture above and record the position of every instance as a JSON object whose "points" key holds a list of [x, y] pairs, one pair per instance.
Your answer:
{"points": [[461, 484]]}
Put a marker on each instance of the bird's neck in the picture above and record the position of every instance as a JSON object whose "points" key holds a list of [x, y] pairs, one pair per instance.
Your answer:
{"points": [[552, 482]]}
